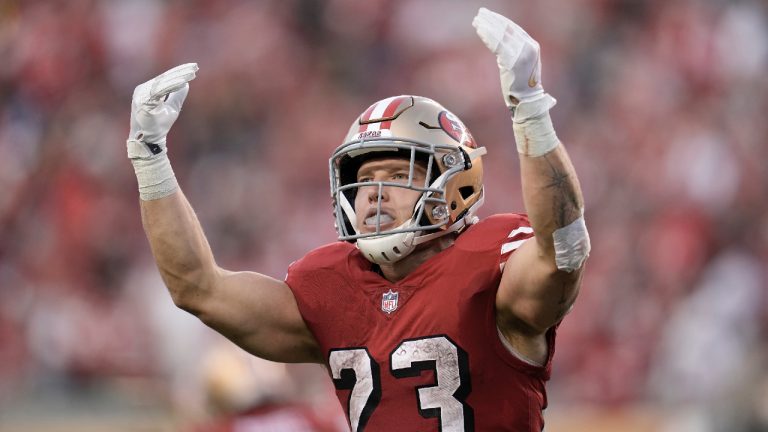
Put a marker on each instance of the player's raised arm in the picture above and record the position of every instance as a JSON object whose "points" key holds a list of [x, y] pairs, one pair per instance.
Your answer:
{"points": [[541, 279], [255, 311]]}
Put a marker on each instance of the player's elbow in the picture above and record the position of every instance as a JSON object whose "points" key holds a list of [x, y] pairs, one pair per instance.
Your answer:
{"points": [[538, 320], [189, 289], [555, 299], [540, 323], [565, 290], [527, 321]]}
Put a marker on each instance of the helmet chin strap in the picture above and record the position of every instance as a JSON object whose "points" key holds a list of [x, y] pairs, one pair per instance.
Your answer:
{"points": [[391, 248], [388, 248], [349, 211]]}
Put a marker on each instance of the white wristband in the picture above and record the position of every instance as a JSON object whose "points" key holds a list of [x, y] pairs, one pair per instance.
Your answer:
{"points": [[572, 245], [155, 176], [534, 134]]}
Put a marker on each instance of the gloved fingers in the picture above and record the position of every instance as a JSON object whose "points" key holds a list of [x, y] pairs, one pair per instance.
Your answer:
{"points": [[502, 36], [491, 27], [509, 51], [495, 25], [490, 30], [171, 103], [141, 95], [176, 99], [172, 80], [186, 68]]}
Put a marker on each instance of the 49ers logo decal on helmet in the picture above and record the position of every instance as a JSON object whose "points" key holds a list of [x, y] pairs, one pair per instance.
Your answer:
{"points": [[455, 129]]}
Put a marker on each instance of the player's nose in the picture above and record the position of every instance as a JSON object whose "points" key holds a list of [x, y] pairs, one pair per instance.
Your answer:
{"points": [[374, 191]]}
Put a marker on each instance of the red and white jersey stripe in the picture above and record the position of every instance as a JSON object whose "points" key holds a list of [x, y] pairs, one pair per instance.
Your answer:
{"points": [[515, 239]]}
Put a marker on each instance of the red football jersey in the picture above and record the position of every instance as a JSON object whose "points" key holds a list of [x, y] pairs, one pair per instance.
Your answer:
{"points": [[423, 353]]}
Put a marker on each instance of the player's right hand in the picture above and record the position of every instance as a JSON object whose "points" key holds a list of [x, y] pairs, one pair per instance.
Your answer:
{"points": [[155, 107]]}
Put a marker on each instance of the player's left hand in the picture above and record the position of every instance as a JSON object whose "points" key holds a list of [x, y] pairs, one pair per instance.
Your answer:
{"points": [[518, 56]]}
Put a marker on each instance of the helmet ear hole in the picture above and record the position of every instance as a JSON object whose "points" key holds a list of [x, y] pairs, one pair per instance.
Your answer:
{"points": [[466, 191]]}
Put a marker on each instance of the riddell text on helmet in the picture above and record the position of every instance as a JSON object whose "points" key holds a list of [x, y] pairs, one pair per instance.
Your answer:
{"points": [[369, 134]]}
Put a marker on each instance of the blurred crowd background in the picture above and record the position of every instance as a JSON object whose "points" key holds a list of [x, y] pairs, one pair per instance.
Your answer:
{"points": [[662, 106]]}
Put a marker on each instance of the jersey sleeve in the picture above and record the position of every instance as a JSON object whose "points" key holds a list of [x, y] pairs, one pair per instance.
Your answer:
{"points": [[519, 232], [317, 283], [325, 292], [504, 233]]}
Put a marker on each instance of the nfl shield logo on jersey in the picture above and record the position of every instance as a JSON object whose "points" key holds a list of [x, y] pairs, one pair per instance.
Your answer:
{"points": [[389, 301]]}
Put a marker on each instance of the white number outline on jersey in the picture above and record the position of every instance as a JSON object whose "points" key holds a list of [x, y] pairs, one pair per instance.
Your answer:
{"points": [[444, 400], [354, 369]]}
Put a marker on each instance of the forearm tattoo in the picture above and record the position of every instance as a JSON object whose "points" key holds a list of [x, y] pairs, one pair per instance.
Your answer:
{"points": [[565, 199]]}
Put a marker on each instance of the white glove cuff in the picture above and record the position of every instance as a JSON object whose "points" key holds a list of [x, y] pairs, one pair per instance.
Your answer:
{"points": [[530, 108], [155, 176], [534, 134]]}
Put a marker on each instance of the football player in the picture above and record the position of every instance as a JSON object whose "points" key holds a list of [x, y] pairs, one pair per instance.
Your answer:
{"points": [[426, 317]]}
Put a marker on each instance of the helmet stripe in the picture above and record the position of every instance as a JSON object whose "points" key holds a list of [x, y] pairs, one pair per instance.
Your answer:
{"points": [[382, 109], [391, 109], [364, 118]]}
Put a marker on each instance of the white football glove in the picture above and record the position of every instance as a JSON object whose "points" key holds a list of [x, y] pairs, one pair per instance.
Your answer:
{"points": [[155, 107], [518, 56]]}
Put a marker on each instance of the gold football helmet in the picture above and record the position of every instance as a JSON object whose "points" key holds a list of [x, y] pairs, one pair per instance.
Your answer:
{"points": [[423, 131]]}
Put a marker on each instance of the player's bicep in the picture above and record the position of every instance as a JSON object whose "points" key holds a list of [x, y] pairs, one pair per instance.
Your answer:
{"points": [[533, 292], [259, 314]]}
